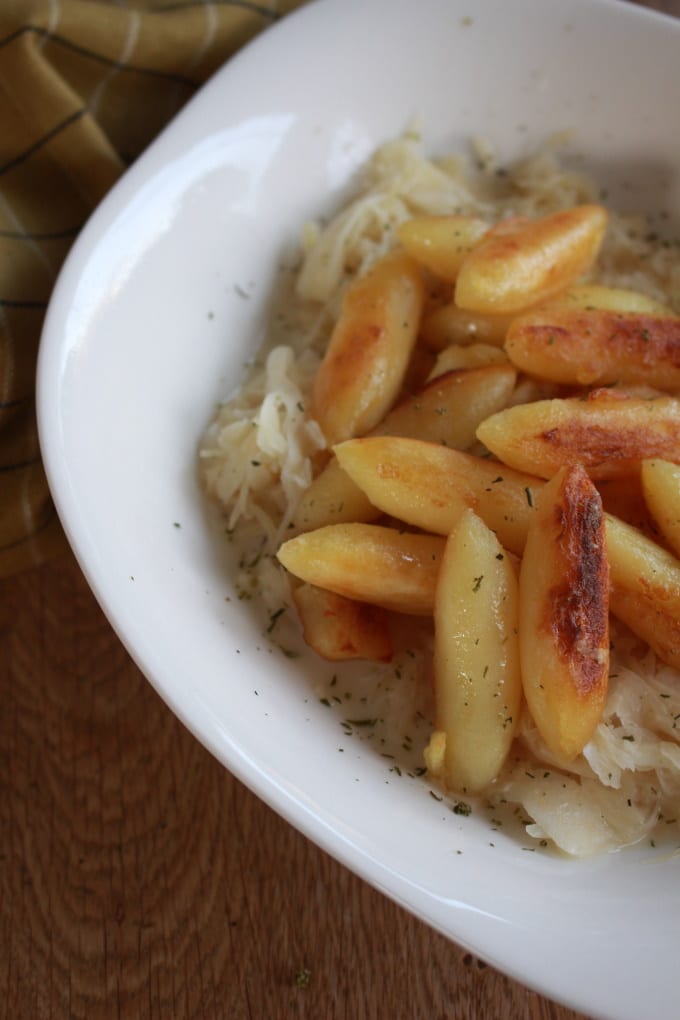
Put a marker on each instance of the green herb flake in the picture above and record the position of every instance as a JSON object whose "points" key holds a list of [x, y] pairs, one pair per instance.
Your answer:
{"points": [[274, 618], [303, 977], [461, 808]]}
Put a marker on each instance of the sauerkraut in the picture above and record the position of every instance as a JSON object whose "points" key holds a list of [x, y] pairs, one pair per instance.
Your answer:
{"points": [[258, 454]]}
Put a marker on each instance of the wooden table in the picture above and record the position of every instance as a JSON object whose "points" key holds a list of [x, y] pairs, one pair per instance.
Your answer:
{"points": [[138, 879]]}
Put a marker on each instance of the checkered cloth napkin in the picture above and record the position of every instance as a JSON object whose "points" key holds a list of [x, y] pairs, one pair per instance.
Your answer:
{"points": [[84, 87]]}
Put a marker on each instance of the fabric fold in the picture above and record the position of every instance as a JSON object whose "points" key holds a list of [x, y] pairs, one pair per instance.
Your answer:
{"points": [[85, 86]]}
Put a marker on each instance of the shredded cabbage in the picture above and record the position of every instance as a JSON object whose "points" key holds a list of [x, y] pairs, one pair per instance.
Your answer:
{"points": [[258, 456]]}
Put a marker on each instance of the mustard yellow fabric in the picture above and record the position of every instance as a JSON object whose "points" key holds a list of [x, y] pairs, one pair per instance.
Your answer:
{"points": [[85, 85]]}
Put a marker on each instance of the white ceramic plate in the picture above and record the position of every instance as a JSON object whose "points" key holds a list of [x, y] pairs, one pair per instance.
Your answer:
{"points": [[148, 328]]}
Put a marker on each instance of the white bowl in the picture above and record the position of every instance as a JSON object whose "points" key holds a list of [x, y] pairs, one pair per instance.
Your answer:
{"points": [[148, 328]]}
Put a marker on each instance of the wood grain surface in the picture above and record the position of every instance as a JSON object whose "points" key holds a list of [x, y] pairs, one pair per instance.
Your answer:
{"points": [[139, 880]]}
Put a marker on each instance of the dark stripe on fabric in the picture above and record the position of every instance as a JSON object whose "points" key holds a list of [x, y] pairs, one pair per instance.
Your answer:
{"points": [[110, 62], [23, 156], [99, 57], [16, 35]]}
